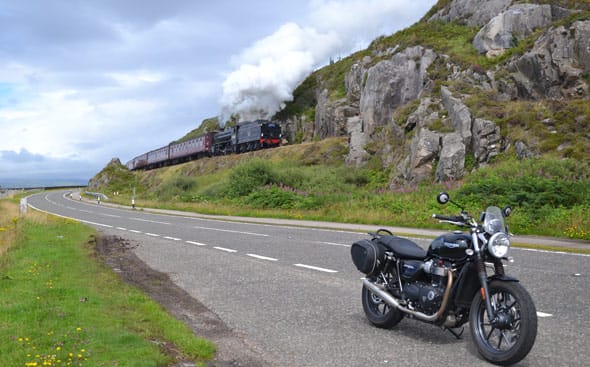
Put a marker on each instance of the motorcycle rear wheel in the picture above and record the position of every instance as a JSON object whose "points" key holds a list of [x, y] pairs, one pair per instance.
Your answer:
{"points": [[508, 344], [378, 312]]}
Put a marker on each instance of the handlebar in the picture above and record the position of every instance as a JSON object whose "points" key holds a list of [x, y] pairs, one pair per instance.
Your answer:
{"points": [[453, 218], [460, 221]]}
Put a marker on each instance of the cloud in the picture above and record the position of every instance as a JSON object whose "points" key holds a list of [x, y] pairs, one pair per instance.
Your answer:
{"points": [[24, 156], [85, 81], [25, 169], [267, 72]]}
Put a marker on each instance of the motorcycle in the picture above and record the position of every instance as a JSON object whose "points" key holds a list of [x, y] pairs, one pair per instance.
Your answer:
{"points": [[448, 285]]}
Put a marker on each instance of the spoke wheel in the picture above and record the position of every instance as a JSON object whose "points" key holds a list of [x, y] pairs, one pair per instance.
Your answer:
{"points": [[511, 336], [378, 312]]}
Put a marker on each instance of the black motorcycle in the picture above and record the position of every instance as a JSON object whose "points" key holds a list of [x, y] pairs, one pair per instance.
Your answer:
{"points": [[450, 284]]}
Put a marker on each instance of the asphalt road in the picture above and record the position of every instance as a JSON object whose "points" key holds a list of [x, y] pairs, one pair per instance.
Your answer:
{"points": [[295, 295]]}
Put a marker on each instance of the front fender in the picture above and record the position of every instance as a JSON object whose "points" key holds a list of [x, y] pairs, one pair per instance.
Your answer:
{"points": [[468, 285], [503, 278]]}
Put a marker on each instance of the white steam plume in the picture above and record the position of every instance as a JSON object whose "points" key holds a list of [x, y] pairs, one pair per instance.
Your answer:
{"points": [[269, 70]]}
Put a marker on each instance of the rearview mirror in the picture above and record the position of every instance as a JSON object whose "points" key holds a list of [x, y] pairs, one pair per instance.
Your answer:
{"points": [[506, 211], [443, 198]]}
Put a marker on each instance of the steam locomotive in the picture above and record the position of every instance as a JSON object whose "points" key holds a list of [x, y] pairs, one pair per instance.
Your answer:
{"points": [[244, 137]]}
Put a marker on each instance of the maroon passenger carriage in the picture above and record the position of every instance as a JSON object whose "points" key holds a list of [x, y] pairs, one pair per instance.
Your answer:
{"points": [[244, 137]]}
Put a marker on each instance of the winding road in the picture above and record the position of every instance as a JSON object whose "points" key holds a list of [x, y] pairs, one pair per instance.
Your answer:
{"points": [[294, 294]]}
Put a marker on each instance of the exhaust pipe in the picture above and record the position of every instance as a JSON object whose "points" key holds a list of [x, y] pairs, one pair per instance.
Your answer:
{"points": [[393, 302]]}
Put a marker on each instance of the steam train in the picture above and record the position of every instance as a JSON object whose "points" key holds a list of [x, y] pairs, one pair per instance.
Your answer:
{"points": [[244, 137]]}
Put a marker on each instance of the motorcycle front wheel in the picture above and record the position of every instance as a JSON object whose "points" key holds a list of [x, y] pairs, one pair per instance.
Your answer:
{"points": [[509, 340], [378, 312]]}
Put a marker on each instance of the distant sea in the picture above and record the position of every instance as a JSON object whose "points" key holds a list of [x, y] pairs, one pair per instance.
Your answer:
{"points": [[34, 183]]}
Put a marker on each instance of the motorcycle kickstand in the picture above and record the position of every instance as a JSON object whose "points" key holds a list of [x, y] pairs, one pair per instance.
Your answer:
{"points": [[457, 334]]}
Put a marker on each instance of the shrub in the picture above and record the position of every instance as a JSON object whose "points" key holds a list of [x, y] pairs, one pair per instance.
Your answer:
{"points": [[175, 187], [532, 184], [249, 176]]}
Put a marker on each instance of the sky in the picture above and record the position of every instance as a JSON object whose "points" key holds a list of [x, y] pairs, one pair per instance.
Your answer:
{"points": [[84, 81]]}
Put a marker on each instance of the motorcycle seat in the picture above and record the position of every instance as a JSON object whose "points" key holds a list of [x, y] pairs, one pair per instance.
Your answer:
{"points": [[403, 247]]}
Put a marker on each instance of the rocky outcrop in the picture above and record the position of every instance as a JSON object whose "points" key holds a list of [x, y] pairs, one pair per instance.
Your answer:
{"points": [[487, 141], [472, 12], [393, 83], [555, 65], [354, 81], [425, 149], [110, 173], [357, 155], [459, 114], [502, 32], [519, 21], [452, 158], [407, 106], [332, 116]]}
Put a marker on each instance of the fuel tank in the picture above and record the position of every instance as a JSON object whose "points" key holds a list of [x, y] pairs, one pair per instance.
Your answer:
{"points": [[450, 246]]}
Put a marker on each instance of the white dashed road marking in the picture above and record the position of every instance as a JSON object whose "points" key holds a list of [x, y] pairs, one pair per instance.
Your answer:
{"points": [[224, 249], [262, 257], [152, 234], [332, 243], [543, 314], [172, 238], [196, 243], [316, 268]]}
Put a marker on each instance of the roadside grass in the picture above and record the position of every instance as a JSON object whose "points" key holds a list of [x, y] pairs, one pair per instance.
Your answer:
{"points": [[59, 306], [8, 224]]}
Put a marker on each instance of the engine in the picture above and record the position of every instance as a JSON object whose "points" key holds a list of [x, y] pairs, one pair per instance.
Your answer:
{"points": [[427, 294]]}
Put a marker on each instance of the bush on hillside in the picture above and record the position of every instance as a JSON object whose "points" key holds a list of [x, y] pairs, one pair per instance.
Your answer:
{"points": [[531, 184], [249, 176]]}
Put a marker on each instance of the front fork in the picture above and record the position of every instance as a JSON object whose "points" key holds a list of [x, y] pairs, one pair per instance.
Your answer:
{"points": [[483, 278]]}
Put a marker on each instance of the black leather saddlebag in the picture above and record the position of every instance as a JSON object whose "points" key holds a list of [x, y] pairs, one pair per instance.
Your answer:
{"points": [[368, 256]]}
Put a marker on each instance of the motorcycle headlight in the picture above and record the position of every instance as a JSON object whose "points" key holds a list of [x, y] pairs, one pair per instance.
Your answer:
{"points": [[499, 244]]}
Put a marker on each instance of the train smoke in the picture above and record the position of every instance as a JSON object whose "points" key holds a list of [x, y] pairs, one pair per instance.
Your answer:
{"points": [[267, 73]]}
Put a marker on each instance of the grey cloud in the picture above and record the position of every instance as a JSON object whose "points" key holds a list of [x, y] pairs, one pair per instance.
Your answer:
{"points": [[20, 157]]}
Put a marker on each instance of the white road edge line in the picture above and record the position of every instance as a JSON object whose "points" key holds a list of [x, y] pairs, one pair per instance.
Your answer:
{"points": [[262, 257], [550, 252], [152, 234], [224, 249], [196, 243], [121, 228], [148, 221], [316, 268], [134, 231], [543, 314]]}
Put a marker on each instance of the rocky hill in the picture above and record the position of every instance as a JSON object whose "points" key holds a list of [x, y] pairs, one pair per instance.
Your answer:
{"points": [[473, 80]]}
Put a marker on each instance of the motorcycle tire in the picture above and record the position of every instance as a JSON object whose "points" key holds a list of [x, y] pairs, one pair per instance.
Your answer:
{"points": [[378, 312], [510, 343]]}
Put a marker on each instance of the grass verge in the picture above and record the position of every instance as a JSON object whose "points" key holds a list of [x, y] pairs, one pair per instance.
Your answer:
{"points": [[60, 307]]}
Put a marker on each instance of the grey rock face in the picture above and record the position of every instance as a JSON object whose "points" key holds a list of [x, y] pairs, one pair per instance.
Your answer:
{"points": [[487, 141], [392, 83], [451, 163], [331, 116], [522, 151], [459, 114], [357, 155], [517, 22], [472, 12], [425, 147], [553, 68], [423, 116], [354, 81]]}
